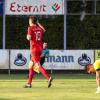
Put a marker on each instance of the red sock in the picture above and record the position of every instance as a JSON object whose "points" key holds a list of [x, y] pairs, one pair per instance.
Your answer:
{"points": [[30, 76], [44, 72]]}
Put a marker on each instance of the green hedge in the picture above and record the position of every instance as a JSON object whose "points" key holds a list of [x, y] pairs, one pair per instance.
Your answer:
{"points": [[16, 30], [80, 35], [83, 35]]}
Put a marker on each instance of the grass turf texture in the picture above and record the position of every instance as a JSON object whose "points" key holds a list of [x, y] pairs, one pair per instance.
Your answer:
{"points": [[65, 87]]}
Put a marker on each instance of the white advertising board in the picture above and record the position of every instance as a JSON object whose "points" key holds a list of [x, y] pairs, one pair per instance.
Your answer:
{"points": [[19, 59], [57, 60], [34, 7], [4, 59], [69, 59]]}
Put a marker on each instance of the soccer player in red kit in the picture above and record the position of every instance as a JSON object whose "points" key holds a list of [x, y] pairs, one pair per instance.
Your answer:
{"points": [[34, 35]]}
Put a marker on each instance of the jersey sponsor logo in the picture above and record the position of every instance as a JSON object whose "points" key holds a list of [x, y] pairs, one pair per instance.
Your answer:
{"points": [[36, 29], [20, 60], [84, 60]]}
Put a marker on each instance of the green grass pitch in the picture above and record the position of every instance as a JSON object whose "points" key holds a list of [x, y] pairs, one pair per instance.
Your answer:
{"points": [[65, 87]]}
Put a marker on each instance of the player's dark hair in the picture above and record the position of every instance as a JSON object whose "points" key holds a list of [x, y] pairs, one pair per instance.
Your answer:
{"points": [[35, 19]]}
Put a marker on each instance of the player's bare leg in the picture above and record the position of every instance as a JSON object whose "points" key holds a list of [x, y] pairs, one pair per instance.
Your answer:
{"points": [[98, 81]]}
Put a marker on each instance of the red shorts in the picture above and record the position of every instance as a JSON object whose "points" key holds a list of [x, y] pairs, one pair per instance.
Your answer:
{"points": [[35, 54]]}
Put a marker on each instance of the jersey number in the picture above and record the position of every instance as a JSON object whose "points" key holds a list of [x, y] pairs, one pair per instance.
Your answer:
{"points": [[38, 36]]}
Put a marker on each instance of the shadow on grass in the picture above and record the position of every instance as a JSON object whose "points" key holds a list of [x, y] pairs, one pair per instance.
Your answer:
{"points": [[4, 99], [40, 76]]}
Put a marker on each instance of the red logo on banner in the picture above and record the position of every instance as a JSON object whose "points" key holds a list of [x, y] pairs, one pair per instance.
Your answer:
{"points": [[56, 7]]}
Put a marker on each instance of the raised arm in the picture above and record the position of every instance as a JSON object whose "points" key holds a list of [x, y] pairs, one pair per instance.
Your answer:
{"points": [[31, 20], [41, 26]]}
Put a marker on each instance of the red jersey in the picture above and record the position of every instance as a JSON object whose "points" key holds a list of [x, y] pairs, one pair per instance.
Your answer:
{"points": [[36, 33]]}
